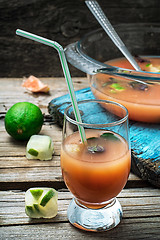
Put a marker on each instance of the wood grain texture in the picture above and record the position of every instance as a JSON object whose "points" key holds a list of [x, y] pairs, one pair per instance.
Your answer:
{"points": [[140, 210], [143, 228], [145, 144], [135, 204], [139, 200], [59, 20]]}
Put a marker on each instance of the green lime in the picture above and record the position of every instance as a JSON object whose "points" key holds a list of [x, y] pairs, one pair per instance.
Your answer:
{"points": [[23, 120]]}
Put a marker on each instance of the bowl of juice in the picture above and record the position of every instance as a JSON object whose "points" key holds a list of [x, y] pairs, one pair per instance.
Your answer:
{"points": [[112, 77]]}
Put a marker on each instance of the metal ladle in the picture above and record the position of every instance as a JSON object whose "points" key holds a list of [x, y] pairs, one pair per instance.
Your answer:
{"points": [[98, 13]]}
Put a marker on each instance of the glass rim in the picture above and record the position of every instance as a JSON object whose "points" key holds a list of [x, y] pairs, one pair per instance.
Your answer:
{"points": [[137, 26], [110, 124]]}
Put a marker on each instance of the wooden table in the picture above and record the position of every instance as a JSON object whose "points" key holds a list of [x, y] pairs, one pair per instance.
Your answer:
{"points": [[140, 201]]}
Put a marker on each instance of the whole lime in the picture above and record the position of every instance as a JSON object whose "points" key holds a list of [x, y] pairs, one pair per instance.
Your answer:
{"points": [[23, 120]]}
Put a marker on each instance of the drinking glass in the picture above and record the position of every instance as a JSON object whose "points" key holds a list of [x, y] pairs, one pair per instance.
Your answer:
{"points": [[96, 170]]}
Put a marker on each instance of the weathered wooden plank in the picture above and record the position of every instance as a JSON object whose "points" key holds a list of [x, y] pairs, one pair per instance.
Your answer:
{"points": [[141, 217], [22, 162], [31, 174], [32, 171], [12, 92], [136, 204], [56, 84], [144, 138], [130, 229]]}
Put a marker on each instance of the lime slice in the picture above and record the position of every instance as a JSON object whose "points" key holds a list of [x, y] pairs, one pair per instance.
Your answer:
{"points": [[36, 193], [50, 143], [117, 86], [33, 152], [29, 210], [36, 207], [47, 197]]}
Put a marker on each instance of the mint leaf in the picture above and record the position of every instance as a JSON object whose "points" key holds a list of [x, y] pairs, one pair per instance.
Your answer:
{"points": [[109, 136]]}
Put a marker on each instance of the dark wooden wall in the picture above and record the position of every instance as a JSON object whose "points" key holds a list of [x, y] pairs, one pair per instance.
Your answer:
{"points": [[64, 21]]}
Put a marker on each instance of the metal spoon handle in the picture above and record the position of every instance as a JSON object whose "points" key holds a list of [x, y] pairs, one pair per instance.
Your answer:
{"points": [[98, 13]]}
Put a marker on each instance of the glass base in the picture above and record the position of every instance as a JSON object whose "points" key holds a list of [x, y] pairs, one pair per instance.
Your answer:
{"points": [[101, 219]]}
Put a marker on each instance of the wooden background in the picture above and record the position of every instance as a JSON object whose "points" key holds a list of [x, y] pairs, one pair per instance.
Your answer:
{"points": [[64, 21]]}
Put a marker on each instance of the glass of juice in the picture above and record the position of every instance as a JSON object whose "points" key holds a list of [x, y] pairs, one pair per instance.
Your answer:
{"points": [[96, 170]]}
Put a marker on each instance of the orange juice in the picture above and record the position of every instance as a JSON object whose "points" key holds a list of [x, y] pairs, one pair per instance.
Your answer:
{"points": [[95, 177], [142, 101]]}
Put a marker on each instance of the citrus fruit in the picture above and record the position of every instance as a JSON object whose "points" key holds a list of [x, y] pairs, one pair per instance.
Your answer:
{"points": [[23, 120], [35, 85]]}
